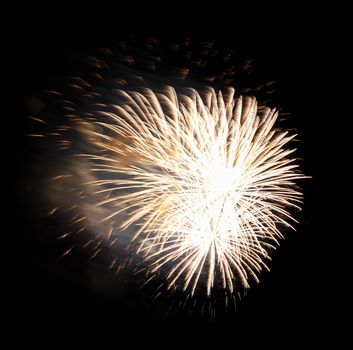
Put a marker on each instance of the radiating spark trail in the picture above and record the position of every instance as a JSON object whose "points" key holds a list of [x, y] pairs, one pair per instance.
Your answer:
{"points": [[206, 182]]}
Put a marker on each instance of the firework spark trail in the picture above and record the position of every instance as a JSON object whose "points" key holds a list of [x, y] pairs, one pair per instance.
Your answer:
{"points": [[205, 181]]}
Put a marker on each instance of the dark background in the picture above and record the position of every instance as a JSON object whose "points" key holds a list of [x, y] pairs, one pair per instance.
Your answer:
{"points": [[293, 302]]}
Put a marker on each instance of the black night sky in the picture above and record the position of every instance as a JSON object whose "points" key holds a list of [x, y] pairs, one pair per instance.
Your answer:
{"points": [[48, 294]]}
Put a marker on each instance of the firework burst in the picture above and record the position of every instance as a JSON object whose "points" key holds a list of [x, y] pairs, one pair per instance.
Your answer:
{"points": [[204, 181]]}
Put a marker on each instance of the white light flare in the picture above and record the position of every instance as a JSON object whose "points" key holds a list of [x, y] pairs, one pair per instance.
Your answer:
{"points": [[205, 181]]}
